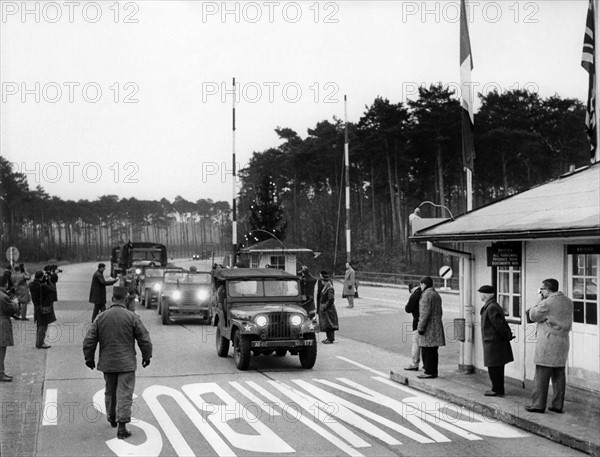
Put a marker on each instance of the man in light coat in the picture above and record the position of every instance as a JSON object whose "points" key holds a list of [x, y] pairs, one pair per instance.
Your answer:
{"points": [[117, 330], [430, 328], [19, 280], [349, 285], [554, 317]]}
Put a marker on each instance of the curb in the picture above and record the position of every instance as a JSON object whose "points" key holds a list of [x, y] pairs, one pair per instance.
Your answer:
{"points": [[506, 416]]}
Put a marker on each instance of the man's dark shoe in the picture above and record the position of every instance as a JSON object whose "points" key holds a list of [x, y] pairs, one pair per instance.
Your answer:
{"points": [[492, 393], [426, 376], [112, 420], [24, 318], [533, 409], [44, 346], [17, 318], [412, 368], [327, 342], [6, 379], [555, 410], [122, 432]]}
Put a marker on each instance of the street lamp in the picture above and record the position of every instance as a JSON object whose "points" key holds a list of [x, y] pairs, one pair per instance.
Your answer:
{"points": [[433, 204]]}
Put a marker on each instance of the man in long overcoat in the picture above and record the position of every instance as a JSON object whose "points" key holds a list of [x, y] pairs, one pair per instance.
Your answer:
{"points": [[430, 328], [554, 317], [349, 285], [496, 336], [19, 280], [7, 310], [98, 290], [43, 293], [328, 317], [116, 331]]}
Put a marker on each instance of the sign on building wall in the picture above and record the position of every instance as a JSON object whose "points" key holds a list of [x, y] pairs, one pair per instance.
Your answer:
{"points": [[505, 254]]}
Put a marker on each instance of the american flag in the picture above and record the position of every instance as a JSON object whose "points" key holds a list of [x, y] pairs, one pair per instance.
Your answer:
{"points": [[588, 61], [467, 95]]}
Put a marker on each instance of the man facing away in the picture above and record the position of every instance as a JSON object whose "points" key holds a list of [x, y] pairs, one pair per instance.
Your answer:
{"points": [[554, 317], [116, 331]]}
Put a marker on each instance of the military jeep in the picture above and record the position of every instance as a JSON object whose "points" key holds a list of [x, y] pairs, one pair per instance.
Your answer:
{"points": [[260, 311], [185, 294]]}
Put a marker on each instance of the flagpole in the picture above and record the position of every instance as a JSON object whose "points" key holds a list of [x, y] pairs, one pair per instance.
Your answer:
{"points": [[233, 186], [347, 169], [597, 152]]}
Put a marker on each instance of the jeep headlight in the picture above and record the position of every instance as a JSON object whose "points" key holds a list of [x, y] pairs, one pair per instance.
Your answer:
{"points": [[138, 271], [157, 287], [261, 320], [202, 294], [296, 320], [176, 295]]}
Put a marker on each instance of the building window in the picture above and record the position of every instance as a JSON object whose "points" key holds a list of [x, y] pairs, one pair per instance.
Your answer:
{"points": [[254, 260], [278, 261], [508, 280], [583, 280]]}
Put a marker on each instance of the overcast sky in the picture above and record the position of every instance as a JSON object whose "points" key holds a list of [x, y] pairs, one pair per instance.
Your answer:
{"points": [[132, 98]]}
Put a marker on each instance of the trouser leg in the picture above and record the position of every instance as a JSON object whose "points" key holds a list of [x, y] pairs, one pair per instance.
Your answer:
{"points": [[125, 387], [97, 310], [110, 394], [430, 360], [2, 357], [415, 350], [330, 334], [559, 383], [23, 310], [41, 335], [540, 389], [497, 377], [350, 301]]}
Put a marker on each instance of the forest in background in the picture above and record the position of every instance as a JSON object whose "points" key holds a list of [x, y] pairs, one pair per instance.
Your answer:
{"points": [[401, 154]]}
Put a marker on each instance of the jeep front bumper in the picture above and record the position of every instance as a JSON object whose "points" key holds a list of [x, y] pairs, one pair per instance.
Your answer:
{"points": [[281, 343]]}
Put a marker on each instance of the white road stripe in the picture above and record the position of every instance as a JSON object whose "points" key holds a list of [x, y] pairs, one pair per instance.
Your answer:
{"points": [[364, 367], [50, 411]]}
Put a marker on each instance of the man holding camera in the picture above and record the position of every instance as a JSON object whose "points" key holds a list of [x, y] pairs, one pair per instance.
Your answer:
{"points": [[43, 292], [554, 317]]}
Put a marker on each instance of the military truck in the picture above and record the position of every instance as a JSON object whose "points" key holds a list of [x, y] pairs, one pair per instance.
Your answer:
{"points": [[259, 311]]}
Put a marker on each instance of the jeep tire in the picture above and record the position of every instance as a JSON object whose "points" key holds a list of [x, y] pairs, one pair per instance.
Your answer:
{"points": [[241, 351], [222, 343], [166, 319], [308, 355]]}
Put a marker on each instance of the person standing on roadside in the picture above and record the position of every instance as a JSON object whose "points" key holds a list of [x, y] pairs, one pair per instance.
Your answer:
{"points": [[19, 280], [496, 336], [413, 307], [43, 293], [554, 317], [98, 290], [116, 331], [307, 290], [8, 309], [328, 317], [430, 328], [349, 285]]}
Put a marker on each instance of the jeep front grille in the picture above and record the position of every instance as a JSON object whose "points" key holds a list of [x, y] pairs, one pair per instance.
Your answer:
{"points": [[278, 327], [188, 298]]}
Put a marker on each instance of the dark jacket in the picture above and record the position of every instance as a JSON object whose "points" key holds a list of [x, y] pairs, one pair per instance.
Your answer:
{"points": [[496, 335], [413, 306], [42, 295], [98, 288], [328, 318], [307, 290], [117, 330], [430, 319], [7, 309]]}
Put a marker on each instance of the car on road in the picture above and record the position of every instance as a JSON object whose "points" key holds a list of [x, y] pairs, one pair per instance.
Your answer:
{"points": [[185, 294], [196, 256], [150, 283], [259, 311]]}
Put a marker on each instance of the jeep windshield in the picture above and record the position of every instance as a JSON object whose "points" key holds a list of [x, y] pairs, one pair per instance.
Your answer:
{"points": [[187, 278], [155, 272], [263, 288]]}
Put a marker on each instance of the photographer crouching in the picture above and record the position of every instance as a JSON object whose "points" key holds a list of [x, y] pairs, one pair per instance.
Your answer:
{"points": [[43, 295]]}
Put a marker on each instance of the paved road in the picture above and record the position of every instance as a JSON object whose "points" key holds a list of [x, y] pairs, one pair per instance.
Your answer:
{"points": [[191, 402]]}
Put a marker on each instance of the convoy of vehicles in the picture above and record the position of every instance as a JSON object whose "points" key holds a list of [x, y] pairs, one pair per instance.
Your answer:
{"points": [[150, 284], [260, 311], [138, 254]]}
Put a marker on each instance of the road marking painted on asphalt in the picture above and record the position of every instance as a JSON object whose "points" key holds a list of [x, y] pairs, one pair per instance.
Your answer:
{"points": [[50, 411], [360, 365]]}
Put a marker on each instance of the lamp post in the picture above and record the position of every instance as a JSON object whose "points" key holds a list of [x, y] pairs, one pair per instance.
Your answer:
{"points": [[437, 206]]}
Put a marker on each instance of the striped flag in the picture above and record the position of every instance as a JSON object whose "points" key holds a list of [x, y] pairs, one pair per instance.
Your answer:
{"points": [[588, 61], [467, 95]]}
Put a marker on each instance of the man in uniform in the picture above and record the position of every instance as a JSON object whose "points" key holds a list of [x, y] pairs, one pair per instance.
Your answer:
{"points": [[117, 330]]}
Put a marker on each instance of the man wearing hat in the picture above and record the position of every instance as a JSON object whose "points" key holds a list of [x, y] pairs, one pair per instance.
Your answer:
{"points": [[98, 290], [328, 317], [42, 295], [430, 328], [307, 290], [117, 330], [496, 336]]}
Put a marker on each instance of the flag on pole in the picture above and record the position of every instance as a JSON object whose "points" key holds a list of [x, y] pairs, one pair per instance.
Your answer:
{"points": [[588, 61], [466, 96]]}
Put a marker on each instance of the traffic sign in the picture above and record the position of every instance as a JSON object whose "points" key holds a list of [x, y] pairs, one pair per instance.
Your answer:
{"points": [[12, 254], [445, 272]]}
